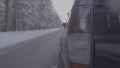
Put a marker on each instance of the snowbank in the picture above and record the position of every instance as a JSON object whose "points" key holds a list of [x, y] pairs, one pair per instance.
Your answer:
{"points": [[9, 38]]}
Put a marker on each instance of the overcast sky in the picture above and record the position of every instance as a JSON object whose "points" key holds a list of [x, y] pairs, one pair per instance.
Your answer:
{"points": [[62, 7]]}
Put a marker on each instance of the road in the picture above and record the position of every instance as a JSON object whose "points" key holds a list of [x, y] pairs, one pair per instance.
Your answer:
{"points": [[41, 52]]}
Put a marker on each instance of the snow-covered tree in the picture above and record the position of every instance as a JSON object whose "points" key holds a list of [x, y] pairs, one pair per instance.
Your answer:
{"points": [[23, 15]]}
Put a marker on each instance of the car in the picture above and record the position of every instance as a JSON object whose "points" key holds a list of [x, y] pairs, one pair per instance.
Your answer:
{"points": [[93, 34]]}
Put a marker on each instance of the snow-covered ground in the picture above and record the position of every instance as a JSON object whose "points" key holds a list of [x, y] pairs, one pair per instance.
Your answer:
{"points": [[10, 38], [37, 49]]}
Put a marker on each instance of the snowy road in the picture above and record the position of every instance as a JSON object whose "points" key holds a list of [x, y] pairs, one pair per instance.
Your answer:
{"points": [[40, 52]]}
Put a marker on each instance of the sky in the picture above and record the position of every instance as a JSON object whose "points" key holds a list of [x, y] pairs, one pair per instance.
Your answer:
{"points": [[63, 7]]}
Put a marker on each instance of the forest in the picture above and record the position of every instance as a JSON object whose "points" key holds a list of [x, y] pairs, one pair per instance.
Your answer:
{"points": [[22, 15]]}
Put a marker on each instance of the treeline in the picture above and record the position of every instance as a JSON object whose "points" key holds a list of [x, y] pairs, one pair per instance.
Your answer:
{"points": [[21, 15]]}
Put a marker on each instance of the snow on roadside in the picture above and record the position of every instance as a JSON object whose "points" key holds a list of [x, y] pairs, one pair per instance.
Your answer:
{"points": [[9, 38]]}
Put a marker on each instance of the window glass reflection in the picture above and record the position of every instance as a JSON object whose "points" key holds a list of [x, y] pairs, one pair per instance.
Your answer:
{"points": [[79, 37], [100, 2], [84, 19], [107, 39], [84, 2]]}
